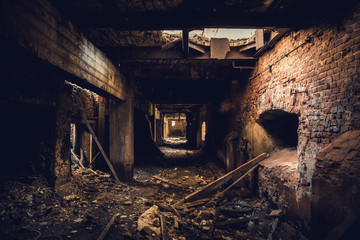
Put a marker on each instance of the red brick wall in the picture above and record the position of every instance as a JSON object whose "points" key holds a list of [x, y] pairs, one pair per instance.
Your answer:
{"points": [[314, 73], [83, 100]]}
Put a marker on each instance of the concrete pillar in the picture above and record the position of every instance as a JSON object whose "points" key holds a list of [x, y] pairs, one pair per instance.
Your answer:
{"points": [[62, 167], [121, 121], [159, 130]]}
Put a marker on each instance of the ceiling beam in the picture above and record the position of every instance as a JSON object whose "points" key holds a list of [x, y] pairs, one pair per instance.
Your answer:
{"points": [[274, 36], [171, 52]]}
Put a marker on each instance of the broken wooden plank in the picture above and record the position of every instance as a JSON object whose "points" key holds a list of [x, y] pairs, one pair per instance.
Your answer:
{"points": [[216, 216], [197, 203], [163, 226], [162, 207], [247, 47], [224, 179], [197, 47], [76, 158], [170, 44], [237, 181], [167, 181], [275, 37], [100, 148], [91, 149], [106, 229], [93, 160], [79, 161]]}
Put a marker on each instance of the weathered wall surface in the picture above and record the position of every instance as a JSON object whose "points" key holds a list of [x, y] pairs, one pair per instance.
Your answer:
{"points": [[35, 34], [38, 26], [93, 106], [336, 184], [71, 102], [313, 73], [121, 134]]}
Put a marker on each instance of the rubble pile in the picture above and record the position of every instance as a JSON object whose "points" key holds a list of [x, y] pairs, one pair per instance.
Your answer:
{"points": [[94, 206]]}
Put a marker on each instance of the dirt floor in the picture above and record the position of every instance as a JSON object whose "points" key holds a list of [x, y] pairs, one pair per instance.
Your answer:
{"points": [[29, 208]]}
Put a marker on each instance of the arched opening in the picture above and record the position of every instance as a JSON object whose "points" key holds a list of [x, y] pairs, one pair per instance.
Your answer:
{"points": [[282, 126]]}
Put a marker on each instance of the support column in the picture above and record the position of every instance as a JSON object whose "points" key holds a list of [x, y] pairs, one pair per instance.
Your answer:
{"points": [[159, 130], [121, 118], [62, 168], [154, 126], [192, 128]]}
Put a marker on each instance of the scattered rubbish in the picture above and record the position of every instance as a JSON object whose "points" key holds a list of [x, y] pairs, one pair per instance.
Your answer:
{"points": [[139, 210], [236, 209], [149, 220], [106, 229], [275, 213]]}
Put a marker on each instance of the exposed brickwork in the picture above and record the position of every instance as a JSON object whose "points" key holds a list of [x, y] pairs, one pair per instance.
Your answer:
{"points": [[72, 100], [83, 100], [314, 73]]}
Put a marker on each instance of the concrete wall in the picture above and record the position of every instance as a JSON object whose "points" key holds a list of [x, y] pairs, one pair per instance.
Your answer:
{"points": [[39, 27]]}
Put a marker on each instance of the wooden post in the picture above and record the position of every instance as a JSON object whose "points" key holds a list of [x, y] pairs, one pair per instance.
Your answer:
{"points": [[91, 150], [154, 112], [259, 37], [100, 148], [185, 43]]}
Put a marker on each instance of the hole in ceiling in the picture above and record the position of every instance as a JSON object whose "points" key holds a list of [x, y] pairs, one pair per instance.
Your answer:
{"points": [[230, 33]]}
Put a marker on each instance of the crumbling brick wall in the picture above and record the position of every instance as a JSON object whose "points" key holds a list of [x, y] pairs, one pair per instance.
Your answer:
{"points": [[83, 100], [313, 73]]}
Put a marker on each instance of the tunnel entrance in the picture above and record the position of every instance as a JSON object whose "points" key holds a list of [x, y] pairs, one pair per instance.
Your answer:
{"points": [[175, 128], [282, 126]]}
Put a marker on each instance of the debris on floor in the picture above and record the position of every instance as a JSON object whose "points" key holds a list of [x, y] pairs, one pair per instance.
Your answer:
{"points": [[152, 206]]}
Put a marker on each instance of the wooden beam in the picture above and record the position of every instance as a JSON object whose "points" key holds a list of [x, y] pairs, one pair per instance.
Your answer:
{"points": [[221, 194], [108, 226], [247, 47], [100, 148], [185, 43], [52, 38], [197, 47], [170, 44], [137, 54], [274, 38], [192, 45], [211, 187], [259, 37]]}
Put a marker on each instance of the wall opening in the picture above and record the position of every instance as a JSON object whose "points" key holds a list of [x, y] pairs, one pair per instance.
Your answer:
{"points": [[203, 131], [282, 126]]}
